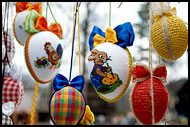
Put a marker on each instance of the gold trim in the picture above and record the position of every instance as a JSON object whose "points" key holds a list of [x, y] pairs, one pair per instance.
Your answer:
{"points": [[126, 85]]}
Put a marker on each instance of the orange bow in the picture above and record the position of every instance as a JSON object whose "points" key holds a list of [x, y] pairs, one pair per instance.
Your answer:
{"points": [[42, 25], [21, 6]]}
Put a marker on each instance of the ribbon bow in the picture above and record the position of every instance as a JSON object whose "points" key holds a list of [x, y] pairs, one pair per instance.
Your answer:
{"points": [[162, 8], [142, 72], [61, 81], [21, 6], [88, 118], [122, 35], [35, 23]]}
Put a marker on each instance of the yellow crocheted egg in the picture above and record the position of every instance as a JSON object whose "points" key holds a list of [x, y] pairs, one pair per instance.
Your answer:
{"points": [[169, 36]]}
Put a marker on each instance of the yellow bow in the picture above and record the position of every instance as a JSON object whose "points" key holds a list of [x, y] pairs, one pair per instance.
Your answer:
{"points": [[162, 8], [110, 36], [88, 117]]}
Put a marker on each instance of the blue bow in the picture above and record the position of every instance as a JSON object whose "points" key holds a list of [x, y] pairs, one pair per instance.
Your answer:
{"points": [[125, 35], [61, 81]]}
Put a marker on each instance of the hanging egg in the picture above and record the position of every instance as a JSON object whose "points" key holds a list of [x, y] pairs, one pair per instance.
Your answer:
{"points": [[18, 27], [13, 90], [9, 48], [67, 106], [169, 35], [22, 10], [110, 68], [149, 104], [43, 55]]}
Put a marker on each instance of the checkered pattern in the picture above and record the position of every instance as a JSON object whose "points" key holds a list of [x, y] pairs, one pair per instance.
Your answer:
{"points": [[67, 106], [13, 90], [10, 45], [6, 120]]}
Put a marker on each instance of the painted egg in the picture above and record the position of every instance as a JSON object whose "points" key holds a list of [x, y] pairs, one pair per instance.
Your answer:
{"points": [[169, 36], [67, 106], [18, 27], [10, 47], [149, 104], [43, 56], [13, 90], [110, 68]]}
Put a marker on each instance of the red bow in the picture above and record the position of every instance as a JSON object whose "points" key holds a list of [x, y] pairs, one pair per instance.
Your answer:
{"points": [[142, 72], [21, 6]]}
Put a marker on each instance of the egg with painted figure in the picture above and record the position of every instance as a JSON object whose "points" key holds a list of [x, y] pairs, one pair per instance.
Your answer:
{"points": [[110, 68]]}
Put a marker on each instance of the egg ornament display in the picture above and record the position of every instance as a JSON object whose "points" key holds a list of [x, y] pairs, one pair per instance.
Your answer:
{"points": [[110, 62]]}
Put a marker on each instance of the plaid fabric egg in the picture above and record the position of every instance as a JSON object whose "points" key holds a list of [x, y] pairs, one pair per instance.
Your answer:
{"points": [[141, 94], [67, 106], [10, 47], [6, 120], [13, 90]]}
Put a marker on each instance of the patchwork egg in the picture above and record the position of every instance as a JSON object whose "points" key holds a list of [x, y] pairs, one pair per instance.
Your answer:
{"points": [[149, 103], [18, 27], [43, 55], [67, 106], [110, 68], [13, 90]]}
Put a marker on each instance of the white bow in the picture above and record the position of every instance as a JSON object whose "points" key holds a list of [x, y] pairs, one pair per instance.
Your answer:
{"points": [[159, 8], [15, 72], [8, 108]]}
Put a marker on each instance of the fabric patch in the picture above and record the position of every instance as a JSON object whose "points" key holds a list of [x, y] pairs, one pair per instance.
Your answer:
{"points": [[6, 120], [67, 106], [102, 77], [13, 90]]}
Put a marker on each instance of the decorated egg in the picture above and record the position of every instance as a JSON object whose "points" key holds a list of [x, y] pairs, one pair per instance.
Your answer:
{"points": [[169, 33], [9, 48], [13, 90], [43, 49], [149, 103], [110, 62], [22, 10], [67, 103]]}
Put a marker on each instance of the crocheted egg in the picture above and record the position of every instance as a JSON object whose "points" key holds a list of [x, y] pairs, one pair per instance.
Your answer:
{"points": [[67, 106], [43, 55], [18, 27], [13, 90], [169, 36], [110, 68], [10, 47], [149, 103]]}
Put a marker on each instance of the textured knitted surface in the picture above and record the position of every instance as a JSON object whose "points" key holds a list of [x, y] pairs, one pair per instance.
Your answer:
{"points": [[140, 96], [169, 45], [13, 90], [67, 106]]}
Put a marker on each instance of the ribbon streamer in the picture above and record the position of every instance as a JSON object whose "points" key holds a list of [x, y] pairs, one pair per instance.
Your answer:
{"points": [[122, 35], [61, 81], [88, 117]]}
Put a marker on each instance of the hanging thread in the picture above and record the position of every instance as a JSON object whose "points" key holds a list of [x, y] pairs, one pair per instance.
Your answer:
{"points": [[150, 62], [34, 104], [110, 14], [120, 5], [79, 42], [74, 25]]}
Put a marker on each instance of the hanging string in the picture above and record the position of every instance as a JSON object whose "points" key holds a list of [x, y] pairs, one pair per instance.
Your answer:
{"points": [[74, 25], [120, 5], [79, 42], [150, 62], [46, 9], [34, 104], [54, 19], [110, 14]]}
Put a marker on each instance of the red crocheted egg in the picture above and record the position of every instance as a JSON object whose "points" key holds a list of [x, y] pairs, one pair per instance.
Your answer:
{"points": [[141, 95]]}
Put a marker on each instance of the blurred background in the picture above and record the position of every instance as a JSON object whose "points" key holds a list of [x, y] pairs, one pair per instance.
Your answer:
{"points": [[97, 13]]}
